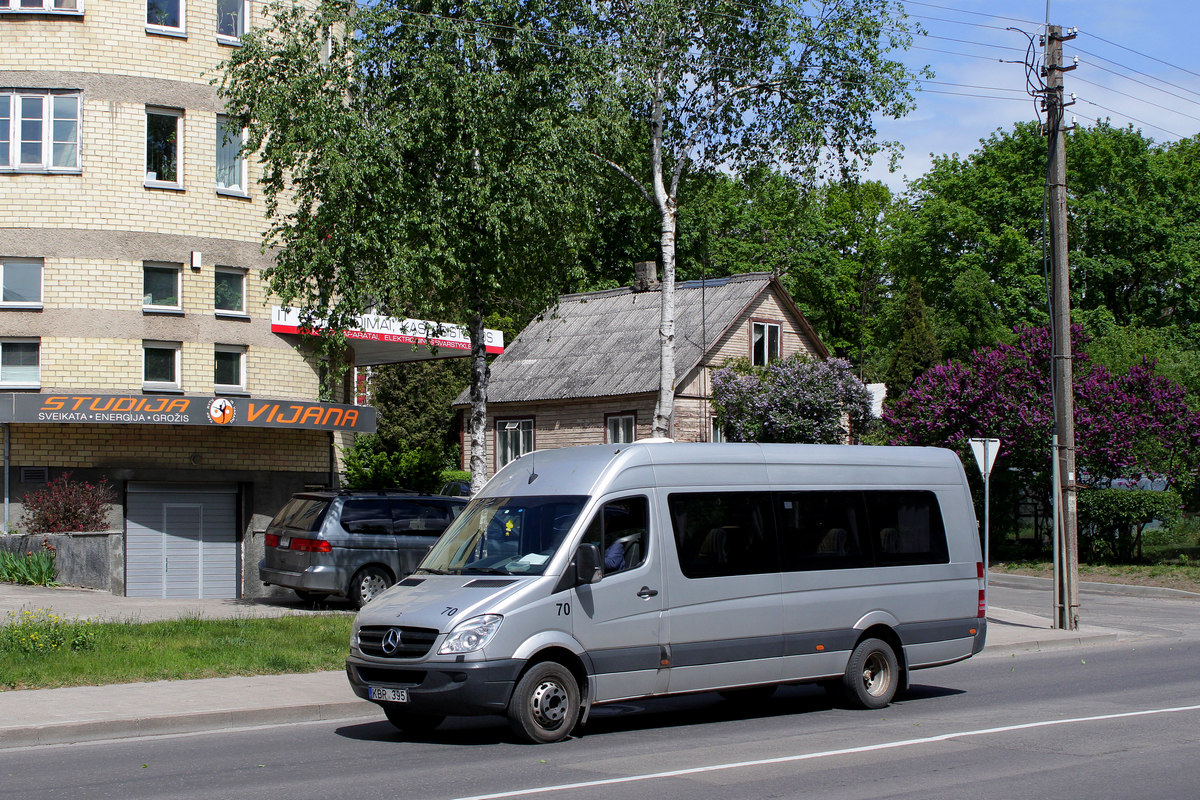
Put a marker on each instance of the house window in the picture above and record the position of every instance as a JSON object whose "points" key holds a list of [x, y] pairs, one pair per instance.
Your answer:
{"points": [[165, 16], [20, 367], [231, 166], [21, 282], [39, 131], [620, 428], [229, 295], [514, 438], [229, 368], [45, 6], [232, 16], [160, 366], [764, 343], [164, 147], [716, 432], [160, 287]]}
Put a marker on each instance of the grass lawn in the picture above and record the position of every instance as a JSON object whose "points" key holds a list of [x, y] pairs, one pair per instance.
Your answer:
{"points": [[40, 650], [1169, 575]]}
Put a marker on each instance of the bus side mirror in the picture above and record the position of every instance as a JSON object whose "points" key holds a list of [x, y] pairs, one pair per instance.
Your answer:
{"points": [[587, 564]]}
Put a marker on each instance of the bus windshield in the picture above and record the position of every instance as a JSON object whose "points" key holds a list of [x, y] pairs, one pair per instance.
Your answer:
{"points": [[504, 535]]}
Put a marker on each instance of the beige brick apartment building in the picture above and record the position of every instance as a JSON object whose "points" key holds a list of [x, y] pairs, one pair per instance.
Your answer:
{"points": [[136, 341]]}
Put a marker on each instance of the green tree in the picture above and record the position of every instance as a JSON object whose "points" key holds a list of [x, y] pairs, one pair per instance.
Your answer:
{"points": [[917, 349], [719, 85], [421, 159]]}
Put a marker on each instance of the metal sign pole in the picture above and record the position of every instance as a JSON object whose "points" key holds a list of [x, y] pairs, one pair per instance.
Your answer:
{"points": [[985, 451]]}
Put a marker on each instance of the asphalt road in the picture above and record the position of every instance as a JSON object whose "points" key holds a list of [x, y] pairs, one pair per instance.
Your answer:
{"points": [[1117, 721]]}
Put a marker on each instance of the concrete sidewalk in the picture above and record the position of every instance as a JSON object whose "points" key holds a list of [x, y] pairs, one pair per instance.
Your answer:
{"points": [[88, 713]]}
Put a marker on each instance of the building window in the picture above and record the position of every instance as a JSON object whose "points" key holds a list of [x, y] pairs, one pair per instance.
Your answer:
{"points": [[716, 432], [39, 131], [229, 295], [160, 287], [165, 16], [164, 147], [514, 438], [232, 17], [229, 368], [21, 282], [231, 166], [44, 6], [160, 366], [764, 343], [20, 366], [620, 428]]}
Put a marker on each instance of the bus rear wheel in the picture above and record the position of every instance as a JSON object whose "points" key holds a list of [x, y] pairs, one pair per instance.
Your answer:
{"points": [[872, 675]]}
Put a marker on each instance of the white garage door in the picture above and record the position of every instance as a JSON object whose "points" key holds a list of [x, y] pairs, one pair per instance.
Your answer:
{"points": [[181, 541]]}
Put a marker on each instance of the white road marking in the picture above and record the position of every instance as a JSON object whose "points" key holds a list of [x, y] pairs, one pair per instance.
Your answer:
{"points": [[945, 737]]}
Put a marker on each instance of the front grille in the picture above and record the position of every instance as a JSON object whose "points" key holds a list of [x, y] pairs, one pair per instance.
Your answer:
{"points": [[414, 642], [398, 677]]}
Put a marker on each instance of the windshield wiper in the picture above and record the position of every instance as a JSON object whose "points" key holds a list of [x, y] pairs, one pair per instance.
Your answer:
{"points": [[486, 570], [431, 571]]}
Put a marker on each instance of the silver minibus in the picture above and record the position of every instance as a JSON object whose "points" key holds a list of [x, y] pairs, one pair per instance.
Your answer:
{"points": [[597, 574]]}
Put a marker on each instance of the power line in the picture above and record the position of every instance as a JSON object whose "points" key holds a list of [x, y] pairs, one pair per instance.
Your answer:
{"points": [[1135, 97], [1138, 52], [1139, 72], [1143, 83], [975, 13], [1128, 117]]}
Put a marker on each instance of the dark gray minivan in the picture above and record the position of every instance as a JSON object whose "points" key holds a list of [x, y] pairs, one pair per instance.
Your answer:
{"points": [[352, 544]]}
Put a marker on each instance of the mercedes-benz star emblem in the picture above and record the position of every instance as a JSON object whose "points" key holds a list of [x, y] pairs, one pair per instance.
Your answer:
{"points": [[391, 641]]}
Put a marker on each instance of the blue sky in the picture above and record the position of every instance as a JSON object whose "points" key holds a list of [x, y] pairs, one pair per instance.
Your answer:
{"points": [[973, 93]]}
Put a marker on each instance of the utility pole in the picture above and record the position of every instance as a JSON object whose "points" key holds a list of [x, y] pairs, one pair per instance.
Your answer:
{"points": [[1066, 612]]}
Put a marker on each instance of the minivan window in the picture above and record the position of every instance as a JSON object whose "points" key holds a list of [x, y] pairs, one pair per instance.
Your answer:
{"points": [[367, 515], [724, 533], [822, 530], [419, 517], [505, 535], [301, 513]]}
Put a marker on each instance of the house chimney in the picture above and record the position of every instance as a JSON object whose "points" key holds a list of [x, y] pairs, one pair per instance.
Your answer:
{"points": [[645, 276]]}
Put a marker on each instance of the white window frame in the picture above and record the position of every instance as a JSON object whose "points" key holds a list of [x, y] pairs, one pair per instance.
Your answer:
{"points": [[616, 424], [716, 434], [230, 388], [156, 182], [241, 188], [25, 384], [229, 312], [510, 432], [168, 30], [770, 353], [157, 307], [242, 23], [11, 130], [5, 263], [162, 386], [42, 7]]}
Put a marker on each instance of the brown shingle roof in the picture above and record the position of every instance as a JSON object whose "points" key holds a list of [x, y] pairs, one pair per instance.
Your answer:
{"points": [[605, 343]]}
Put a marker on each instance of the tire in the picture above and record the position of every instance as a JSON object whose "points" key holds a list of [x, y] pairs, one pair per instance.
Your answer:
{"points": [[872, 675], [545, 704], [367, 584], [409, 722], [751, 695]]}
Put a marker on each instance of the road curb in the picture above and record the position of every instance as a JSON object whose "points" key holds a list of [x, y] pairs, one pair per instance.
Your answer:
{"points": [[1097, 587], [166, 724]]}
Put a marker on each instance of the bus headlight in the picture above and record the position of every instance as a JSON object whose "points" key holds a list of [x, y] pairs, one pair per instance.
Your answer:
{"points": [[471, 635]]}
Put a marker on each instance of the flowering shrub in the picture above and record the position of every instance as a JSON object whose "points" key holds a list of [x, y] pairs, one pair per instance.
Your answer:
{"points": [[42, 631], [67, 505], [794, 399], [32, 568]]}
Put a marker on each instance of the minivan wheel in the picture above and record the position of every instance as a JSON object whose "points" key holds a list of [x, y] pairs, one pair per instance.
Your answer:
{"points": [[367, 584], [412, 723], [545, 704], [872, 675]]}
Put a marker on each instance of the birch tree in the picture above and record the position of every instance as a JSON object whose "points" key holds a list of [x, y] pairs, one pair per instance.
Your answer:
{"points": [[731, 84], [420, 159]]}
